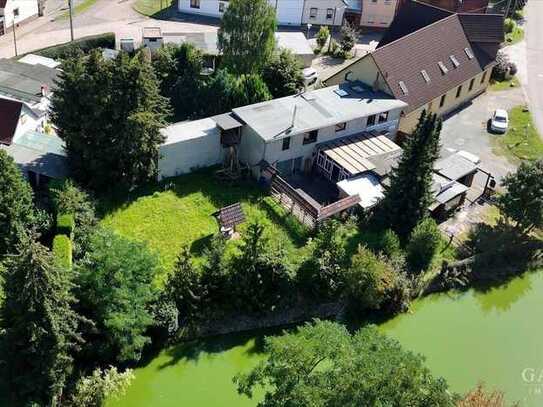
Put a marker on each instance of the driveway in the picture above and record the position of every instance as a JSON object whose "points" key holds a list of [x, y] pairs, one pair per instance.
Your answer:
{"points": [[466, 130]]}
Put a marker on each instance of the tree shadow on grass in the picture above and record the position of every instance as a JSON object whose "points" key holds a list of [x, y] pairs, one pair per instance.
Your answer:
{"points": [[297, 232]]}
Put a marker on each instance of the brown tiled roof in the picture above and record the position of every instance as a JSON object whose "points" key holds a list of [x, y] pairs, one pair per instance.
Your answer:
{"points": [[404, 59], [10, 112], [483, 27], [3, 3]]}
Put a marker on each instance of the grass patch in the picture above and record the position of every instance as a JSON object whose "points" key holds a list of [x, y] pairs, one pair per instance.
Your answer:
{"points": [[504, 85], [80, 8], [521, 142], [151, 7], [180, 211], [515, 36]]}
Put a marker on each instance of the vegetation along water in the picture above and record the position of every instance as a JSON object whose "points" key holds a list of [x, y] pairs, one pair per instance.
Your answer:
{"points": [[468, 337]]}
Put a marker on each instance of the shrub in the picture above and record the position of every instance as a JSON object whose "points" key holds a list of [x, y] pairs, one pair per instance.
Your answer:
{"points": [[390, 244], [509, 25], [65, 224], [423, 245], [85, 44], [348, 38], [62, 250], [322, 36], [501, 69]]}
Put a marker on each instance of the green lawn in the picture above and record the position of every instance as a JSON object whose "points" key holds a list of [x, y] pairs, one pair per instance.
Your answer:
{"points": [[504, 85], [151, 7], [167, 217], [521, 142], [81, 7]]}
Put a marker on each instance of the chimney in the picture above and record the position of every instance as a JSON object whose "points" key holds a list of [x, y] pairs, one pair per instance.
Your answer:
{"points": [[44, 90]]}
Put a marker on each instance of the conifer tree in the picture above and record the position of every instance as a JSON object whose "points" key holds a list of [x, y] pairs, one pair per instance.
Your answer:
{"points": [[409, 193], [16, 206], [41, 328]]}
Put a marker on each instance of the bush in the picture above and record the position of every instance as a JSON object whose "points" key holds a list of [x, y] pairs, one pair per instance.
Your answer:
{"points": [[348, 38], [390, 244], [322, 36], [509, 25], [62, 250], [501, 69], [65, 224], [85, 44], [423, 244]]}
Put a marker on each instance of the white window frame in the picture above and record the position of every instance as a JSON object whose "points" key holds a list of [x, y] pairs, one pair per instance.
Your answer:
{"points": [[313, 12], [195, 4]]}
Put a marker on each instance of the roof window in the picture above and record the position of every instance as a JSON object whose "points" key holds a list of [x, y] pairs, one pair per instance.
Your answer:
{"points": [[425, 75], [443, 68], [468, 53], [403, 87], [454, 61]]}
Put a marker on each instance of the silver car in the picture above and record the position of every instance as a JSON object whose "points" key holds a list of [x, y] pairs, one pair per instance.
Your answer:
{"points": [[499, 121]]}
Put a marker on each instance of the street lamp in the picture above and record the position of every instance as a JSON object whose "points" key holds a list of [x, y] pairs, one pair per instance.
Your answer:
{"points": [[71, 22]]}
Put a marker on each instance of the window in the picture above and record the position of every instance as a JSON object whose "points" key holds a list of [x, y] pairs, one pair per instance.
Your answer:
{"points": [[341, 127], [371, 120], [383, 117], [194, 3], [468, 52], [286, 144], [16, 12], [425, 76], [483, 78], [442, 100], [443, 68], [403, 87], [458, 91], [310, 137], [313, 12], [471, 83], [454, 61], [374, 1], [221, 7], [371, 19], [329, 13]]}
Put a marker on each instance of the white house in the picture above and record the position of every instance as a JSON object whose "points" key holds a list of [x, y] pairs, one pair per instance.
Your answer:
{"points": [[288, 133], [289, 12], [16, 11]]}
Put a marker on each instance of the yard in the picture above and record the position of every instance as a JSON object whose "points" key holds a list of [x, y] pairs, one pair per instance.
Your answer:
{"points": [[151, 7], [504, 85], [522, 141], [180, 211]]}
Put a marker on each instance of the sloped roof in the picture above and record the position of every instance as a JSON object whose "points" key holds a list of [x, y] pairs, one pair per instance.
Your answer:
{"points": [[10, 111], [404, 59], [485, 28], [24, 81]]}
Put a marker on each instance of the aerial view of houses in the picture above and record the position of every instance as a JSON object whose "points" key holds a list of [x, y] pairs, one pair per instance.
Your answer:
{"points": [[271, 203]]}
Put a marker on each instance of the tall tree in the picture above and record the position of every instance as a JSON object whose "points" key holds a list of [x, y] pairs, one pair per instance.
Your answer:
{"points": [[109, 113], [16, 206], [41, 327], [115, 291], [247, 35], [283, 74], [409, 193], [523, 200], [321, 364]]}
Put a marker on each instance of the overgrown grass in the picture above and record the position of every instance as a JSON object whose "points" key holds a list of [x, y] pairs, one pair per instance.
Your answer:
{"points": [[180, 211], [522, 141], [504, 85], [515, 36], [151, 7]]}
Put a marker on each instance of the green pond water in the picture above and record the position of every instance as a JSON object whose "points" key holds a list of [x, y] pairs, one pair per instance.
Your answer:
{"points": [[470, 337]]}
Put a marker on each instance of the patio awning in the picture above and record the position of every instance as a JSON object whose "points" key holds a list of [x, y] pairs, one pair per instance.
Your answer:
{"points": [[354, 153]]}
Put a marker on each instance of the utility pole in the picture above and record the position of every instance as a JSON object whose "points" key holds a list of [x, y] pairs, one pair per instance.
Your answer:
{"points": [[14, 36], [71, 21]]}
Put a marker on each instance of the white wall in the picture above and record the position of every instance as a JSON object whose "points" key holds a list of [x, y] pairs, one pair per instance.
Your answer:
{"points": [[28, 121], [207, 7], [27, 9], [322, 6], [188, 155]]}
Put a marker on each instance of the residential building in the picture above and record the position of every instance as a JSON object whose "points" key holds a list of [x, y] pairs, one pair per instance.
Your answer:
{"points": [[16, 12], [324, 12], [372, 14], [460, 6], [436, 67]]}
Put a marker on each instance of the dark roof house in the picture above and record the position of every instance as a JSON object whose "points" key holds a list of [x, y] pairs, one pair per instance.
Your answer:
{"points": [[25, 82]]}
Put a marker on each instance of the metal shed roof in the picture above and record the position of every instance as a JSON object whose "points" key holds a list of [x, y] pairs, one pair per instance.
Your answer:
{"points": [[455, 166]]}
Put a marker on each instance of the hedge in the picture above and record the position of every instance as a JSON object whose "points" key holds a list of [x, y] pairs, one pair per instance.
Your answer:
{"points": [[62, 250], [65, 224], [85, 44]]}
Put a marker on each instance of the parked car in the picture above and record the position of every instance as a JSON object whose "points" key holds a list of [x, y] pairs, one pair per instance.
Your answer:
{"points": [[310, 76], [499, 121]]}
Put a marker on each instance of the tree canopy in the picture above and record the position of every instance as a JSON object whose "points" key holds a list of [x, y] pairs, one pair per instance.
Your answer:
{"points": [[16, 205], [409, 193], [115, 291], [247, 35], [321, 364], [41, 327], [109, 114], [283, 74], [523, 200]]}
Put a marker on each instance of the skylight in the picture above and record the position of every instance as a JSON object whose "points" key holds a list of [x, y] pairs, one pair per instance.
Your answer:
{"points": [[341, 92], [403, 87], [425, 75], [468, 53], [454, 61], [443, 68]]}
